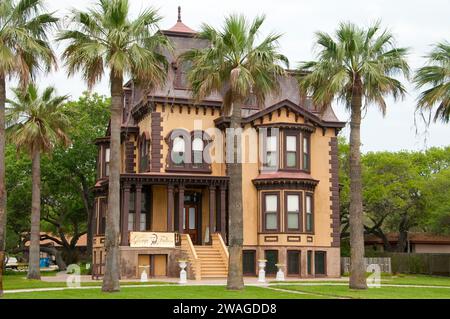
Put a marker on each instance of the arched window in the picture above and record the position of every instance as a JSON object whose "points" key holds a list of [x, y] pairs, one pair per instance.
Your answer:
{"points": [[197, 150], [178, 151], [144, 152], [187, 151]]}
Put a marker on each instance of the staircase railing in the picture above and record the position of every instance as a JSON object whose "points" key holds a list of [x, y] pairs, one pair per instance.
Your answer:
{"points": [[195, 261], [223, 249]]}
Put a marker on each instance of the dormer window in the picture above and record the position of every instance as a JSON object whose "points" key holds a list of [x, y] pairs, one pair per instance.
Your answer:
{"points": [[180, 69]]}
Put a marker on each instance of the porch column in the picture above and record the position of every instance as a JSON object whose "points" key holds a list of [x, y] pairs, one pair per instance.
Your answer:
{"points": [[126, 208], [170, 206], [223, 227], [212, 208], [137, 207], [180, 208]]}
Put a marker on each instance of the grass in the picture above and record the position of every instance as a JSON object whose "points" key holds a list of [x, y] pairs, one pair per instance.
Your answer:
{"points": [[401, 279], [164, 292], [342, 291], [327, 289], [18, 280]]}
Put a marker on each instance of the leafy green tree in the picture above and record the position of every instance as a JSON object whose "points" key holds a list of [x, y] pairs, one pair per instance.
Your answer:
{"points": [[436, 76], [36, 123], [107, 37], [356, 66], [67, 212], [24, 49], [236, 65]]}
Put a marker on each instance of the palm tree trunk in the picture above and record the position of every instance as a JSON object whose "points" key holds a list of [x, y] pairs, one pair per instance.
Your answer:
{"points": [[112, 262], [2, 179], [235, 280], [357, 270], [33, 262]]}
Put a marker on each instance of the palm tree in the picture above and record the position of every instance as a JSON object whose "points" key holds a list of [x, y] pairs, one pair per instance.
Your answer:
{"points": [[236, 65], [436, 75], [356, 66], [36, 124], [102, 38], [24, 49]]}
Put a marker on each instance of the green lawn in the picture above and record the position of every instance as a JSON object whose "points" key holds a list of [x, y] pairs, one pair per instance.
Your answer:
{"points": [[13, 281], [163, 292], [328, 289], [342, 291]]}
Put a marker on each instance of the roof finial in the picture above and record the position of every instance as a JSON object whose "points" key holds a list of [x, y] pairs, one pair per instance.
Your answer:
{"points": [[179, 14]]}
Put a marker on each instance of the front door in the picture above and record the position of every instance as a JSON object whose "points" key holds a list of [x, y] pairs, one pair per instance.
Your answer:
{"points": [[190, 221]]}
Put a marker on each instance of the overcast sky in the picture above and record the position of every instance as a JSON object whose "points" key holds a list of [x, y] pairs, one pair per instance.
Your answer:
{"points": [[416, 24]]}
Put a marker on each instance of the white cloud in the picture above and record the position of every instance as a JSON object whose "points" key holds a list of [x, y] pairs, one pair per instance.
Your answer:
{"points": [[416, 24]]}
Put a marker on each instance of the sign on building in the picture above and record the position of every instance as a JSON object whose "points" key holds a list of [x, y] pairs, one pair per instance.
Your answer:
{"points": [[152, 239]]}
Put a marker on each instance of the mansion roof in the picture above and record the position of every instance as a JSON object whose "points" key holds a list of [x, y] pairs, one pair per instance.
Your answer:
{"points": [[183, 39]]}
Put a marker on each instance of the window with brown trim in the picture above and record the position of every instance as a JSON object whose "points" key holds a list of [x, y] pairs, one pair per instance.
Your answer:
{"points": [[309, 256], [306, 165], [145, 218], [102, 216], [272, 259], [309, 212], [291, 143], [106, 161], [249, 262], [320, 262], [188, 151], [293, 262], [144, 154], [271, 211], [131, 211], [293, 209]]}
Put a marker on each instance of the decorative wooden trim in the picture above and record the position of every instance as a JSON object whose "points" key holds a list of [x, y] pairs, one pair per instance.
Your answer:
{"points": [[285, 183], [156, 142], [271, 239], [334, 193], [130, 157], [294, 239]]}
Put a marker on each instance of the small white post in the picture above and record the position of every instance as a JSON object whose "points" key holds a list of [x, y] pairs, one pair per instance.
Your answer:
{"points": [[262, 272], [144, 275], [280, 273], [183, 273]]}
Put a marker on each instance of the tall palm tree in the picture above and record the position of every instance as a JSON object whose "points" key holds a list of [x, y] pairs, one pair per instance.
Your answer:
{"points": [[356, 66], [24, 49], [36, 124], [436, 75], [238, 65], [105, 37]]}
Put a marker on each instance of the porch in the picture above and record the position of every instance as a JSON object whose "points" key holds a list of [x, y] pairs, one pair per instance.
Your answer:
{"points": [[181, 204]]}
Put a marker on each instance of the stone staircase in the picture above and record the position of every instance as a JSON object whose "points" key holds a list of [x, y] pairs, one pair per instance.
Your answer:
{"points": [[208, 261], [212, 264]]}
